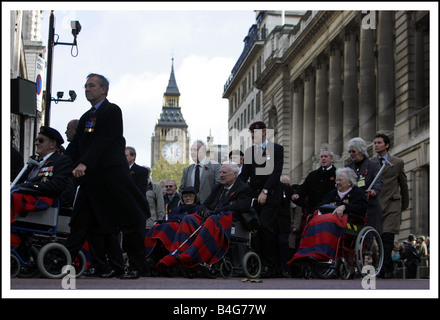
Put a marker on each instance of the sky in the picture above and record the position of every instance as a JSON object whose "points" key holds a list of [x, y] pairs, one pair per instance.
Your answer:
{"points": [[134, 49]]}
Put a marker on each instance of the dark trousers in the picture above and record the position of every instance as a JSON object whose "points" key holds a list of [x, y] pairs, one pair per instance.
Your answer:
{"points": [[267, 236], [388, 243], [85, 223], [105, 251]]}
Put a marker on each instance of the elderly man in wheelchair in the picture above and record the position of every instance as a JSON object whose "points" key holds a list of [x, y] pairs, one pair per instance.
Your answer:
{"points": [[44, 185], [328, 238], [203, 237]]}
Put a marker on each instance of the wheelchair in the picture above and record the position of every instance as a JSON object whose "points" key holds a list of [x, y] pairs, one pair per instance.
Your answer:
{"points": [[40, 250], [358, 252], [240, 257]]}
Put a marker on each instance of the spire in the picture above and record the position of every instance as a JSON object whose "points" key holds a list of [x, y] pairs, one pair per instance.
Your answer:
{"points": [[172, 89]]}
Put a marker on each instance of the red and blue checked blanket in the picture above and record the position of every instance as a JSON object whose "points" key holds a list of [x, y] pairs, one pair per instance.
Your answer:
{"points": [[161, 234], [208, 245], [320, 237], [24, 203]]}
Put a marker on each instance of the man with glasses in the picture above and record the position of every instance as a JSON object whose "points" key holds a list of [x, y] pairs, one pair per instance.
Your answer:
{"points": [[171, 197], [52, 176]]}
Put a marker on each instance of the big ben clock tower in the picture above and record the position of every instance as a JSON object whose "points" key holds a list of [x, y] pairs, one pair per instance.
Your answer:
{"points": [[170, 139]]}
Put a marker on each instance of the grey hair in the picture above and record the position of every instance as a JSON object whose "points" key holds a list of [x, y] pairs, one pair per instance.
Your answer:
{"points": [[234, 166], [351, 175], [359, 144], [102, 81], [330, 152]]}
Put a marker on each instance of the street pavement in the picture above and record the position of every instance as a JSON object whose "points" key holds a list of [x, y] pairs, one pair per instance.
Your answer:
{"points": [[198, 286]]}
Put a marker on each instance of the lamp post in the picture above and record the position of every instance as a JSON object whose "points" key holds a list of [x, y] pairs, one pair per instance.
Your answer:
{"points": [[51, 43]]}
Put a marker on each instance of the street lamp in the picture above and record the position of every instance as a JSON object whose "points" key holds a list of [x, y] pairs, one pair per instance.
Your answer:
{"points": [[51, 43]]}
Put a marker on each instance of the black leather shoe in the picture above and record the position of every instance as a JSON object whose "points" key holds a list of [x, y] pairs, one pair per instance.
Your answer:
{"points": [[91, 272], [112, 273], [130, 275]]}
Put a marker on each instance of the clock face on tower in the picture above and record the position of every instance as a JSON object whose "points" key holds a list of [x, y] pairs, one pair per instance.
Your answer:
{"points": [[171, 152]]}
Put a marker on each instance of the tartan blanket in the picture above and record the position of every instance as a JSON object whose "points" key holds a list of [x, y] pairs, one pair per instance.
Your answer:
{"points": [[320, 237], [161, 234], [24, 203], [208, 245]]}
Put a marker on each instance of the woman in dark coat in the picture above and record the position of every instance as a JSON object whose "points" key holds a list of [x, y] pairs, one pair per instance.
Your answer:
{"points": [[366, 170], [161, 236]]}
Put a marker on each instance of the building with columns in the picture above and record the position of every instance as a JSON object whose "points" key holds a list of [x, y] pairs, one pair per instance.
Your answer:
{"points": [[330, 76], [26, 53]]}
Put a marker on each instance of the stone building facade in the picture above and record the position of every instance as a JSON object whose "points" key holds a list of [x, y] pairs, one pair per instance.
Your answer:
{"points": [[335, 75]]}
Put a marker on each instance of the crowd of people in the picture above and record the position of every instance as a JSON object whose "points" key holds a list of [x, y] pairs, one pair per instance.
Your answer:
{"points": [[167, 223]]}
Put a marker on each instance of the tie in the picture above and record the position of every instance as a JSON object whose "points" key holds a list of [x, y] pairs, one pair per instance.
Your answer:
{"points": [[197, 178], [381, 161], [35, 170], [222, 198]]}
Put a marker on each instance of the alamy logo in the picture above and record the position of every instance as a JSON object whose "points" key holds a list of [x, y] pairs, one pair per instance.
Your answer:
{"points": [[69, 280], [369, 280], [369, 20]]}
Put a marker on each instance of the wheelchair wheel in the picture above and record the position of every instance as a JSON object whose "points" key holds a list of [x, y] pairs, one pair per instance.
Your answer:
{"points": [[51, 260], [30, 269], [251, 265], [226, 269], [344, 269], [325, 270], [15, 266], [369, 252], [80, 264]]}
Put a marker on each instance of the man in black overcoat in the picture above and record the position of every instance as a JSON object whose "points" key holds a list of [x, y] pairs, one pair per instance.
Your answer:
{"points": [[107, 197], [263, 164]]}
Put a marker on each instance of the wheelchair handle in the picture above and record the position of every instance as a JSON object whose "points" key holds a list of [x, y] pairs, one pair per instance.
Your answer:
{"points": [[379, 173]]}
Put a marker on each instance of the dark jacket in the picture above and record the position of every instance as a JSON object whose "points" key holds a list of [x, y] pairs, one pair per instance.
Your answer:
{"points": [[317, 184], [107, 185], [140, 177], [264, 175], [53, 179], [238, 199], [366, 173], [173, 203], [355, 201]]}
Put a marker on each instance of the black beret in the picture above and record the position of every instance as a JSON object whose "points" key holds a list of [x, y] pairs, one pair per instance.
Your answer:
{"points": [[236, 152], [189, 190], [53, 134], [257, 125]]}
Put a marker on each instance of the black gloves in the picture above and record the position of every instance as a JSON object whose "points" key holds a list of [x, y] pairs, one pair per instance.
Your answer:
{"points": [[205, 213]]}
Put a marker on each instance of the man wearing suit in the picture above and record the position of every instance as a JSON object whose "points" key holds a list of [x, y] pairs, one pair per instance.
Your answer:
{"points": [[171, 198], [263, 164], [53, 176], [202, 175], [394, 198], [231, 194], [137, 172], [107, 196]]}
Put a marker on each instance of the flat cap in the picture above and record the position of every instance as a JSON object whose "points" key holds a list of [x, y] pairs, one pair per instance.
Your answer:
{"points": [[53, 134], [257, 125]]}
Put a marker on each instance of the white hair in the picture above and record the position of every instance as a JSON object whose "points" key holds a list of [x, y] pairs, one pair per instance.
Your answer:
{"points": [[234, 166]]}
